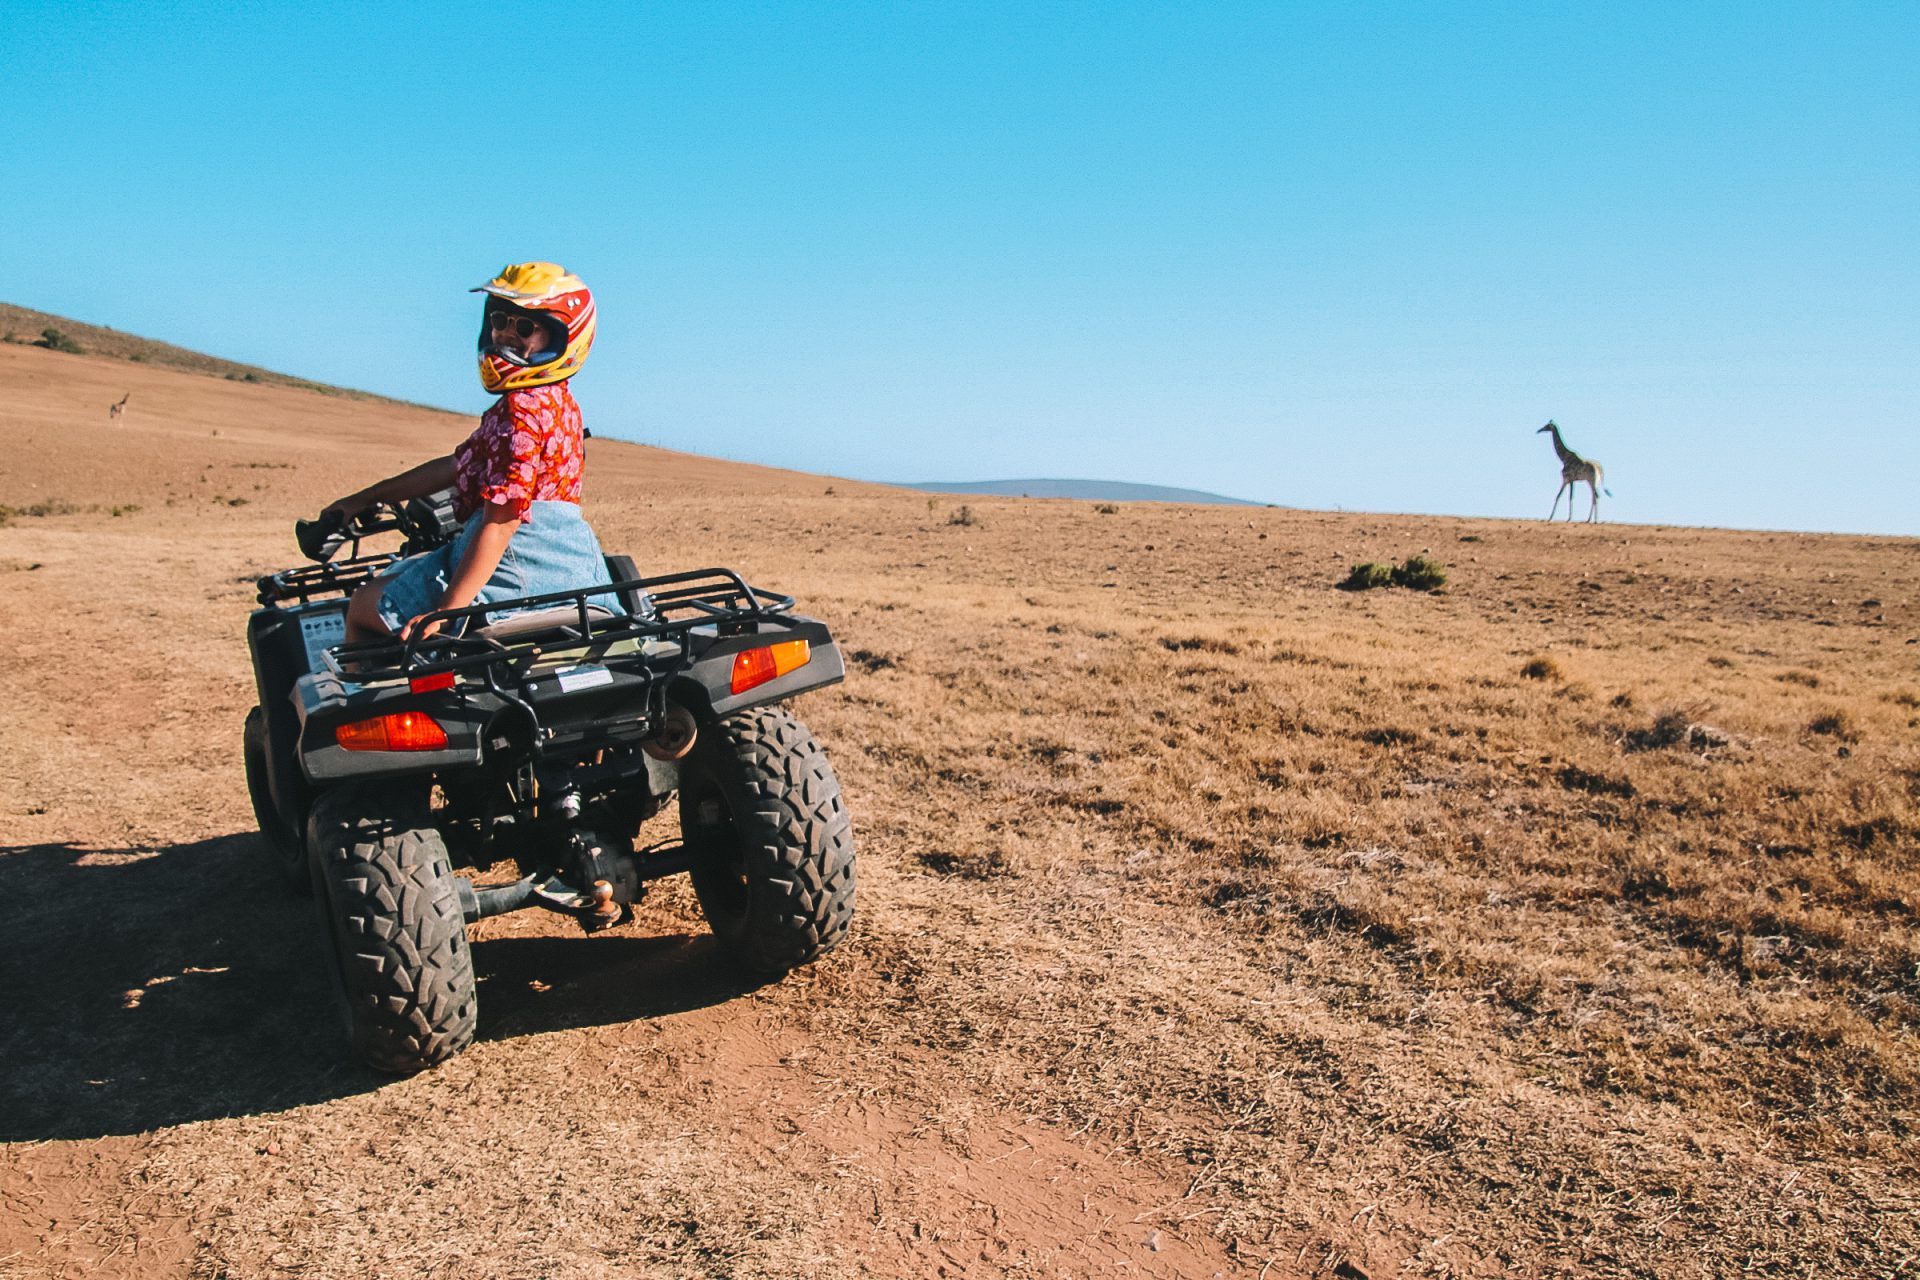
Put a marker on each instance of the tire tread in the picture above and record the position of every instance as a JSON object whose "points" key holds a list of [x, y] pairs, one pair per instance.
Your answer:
{"points": [[798, 838], [400, 937]]}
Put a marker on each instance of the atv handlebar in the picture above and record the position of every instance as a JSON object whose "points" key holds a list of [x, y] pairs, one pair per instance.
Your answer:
{"points": [[321, 536], [424, 522]]}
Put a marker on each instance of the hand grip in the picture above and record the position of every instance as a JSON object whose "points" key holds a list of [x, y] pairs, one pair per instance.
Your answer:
{"points": [[319, 538]]}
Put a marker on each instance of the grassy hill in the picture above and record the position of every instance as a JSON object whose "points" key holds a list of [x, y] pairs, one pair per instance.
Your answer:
{"points": [[24, 326]]}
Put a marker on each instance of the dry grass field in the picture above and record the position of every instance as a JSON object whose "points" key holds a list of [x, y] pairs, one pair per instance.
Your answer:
{"points": [[1213, 920]]}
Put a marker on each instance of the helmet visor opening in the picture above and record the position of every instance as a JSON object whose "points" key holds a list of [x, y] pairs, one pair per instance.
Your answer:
{"points": [[520, 336]]}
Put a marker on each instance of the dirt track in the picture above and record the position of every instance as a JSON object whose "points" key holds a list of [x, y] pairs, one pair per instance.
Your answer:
{"points": [[1212, 921]]}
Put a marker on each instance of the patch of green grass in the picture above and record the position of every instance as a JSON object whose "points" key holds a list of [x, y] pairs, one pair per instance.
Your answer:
{"points": [[1367, 576], [1419, 573], [1416, 573]]}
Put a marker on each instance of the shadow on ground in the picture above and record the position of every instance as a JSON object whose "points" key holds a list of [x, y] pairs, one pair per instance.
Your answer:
{"points": [[152, 987], [531, 985]]}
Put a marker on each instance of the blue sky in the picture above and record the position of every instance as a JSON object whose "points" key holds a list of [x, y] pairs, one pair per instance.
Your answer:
{"points": [[1340, 255]]}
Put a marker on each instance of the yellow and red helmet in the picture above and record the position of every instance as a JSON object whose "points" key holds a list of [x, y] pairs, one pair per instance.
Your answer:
{"points": [[559, 303]]}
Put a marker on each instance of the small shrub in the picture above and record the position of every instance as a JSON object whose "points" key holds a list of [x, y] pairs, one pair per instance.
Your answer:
{"points": [[1106, 508], [138, 357], [869, 661], [1676, 728], [1420, 574], [1205, 644], [54, 340], [1669, 729], [962, 515], [1835, 724], [1805, 679], [1541, 669], [1574, 778], [45, 507], [1365, 577]]}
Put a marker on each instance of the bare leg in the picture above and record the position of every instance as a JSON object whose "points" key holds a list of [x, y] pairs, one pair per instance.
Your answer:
{"points": [[363, 613]]}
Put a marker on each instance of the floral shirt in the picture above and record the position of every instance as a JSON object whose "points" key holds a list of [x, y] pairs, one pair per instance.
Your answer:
{"points": [[527, 449]]}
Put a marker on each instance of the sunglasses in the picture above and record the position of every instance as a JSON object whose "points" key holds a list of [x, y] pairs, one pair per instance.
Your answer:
{"points": [[521, 325]]}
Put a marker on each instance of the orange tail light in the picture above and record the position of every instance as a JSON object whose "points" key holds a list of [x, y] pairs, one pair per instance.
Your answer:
{"points": [[403, 731], [754, 667]]}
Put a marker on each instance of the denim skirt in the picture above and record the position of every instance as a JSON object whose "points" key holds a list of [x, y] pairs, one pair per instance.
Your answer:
{"points": [[554, 549]]}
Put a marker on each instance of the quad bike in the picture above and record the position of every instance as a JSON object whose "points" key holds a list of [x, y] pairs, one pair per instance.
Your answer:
{"points": [[544, 732]]}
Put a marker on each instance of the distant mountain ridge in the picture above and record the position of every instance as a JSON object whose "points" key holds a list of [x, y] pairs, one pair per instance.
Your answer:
{"points": [[26, 327], [1084, 490]]}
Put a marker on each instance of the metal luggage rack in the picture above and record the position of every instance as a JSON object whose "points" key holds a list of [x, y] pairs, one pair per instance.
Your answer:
{"points": [[314, 580], [681, 602]]}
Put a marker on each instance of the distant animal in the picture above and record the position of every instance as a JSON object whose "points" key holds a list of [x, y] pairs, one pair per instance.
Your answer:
{"points": [[1573, 470], [115, 410]]}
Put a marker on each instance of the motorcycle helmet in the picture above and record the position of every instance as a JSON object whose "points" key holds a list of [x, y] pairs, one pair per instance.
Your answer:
{"points": [[559, 308]]}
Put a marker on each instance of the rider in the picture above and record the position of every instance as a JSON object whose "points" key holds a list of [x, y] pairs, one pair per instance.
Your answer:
{"points": [[516, 479]]}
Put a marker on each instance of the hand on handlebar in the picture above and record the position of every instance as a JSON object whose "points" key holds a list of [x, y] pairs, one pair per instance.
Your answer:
{"points": [[345, 509], [321, 537]]}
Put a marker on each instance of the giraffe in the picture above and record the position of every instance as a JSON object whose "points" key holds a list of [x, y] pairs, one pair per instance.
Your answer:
{"points": [[115, 410], [1574, 469]]}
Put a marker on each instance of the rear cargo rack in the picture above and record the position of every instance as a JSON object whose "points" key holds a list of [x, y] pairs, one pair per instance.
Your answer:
{"points": [[680, 602]]}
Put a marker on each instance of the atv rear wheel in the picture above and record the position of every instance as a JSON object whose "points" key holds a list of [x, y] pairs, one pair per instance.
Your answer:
{"points": [[281, 836], [772, 847], [387, 899]]}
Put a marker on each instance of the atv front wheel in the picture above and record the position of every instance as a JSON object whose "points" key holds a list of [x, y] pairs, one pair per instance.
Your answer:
{"points": [[390, 908], [772, 846], [282, 838]]}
